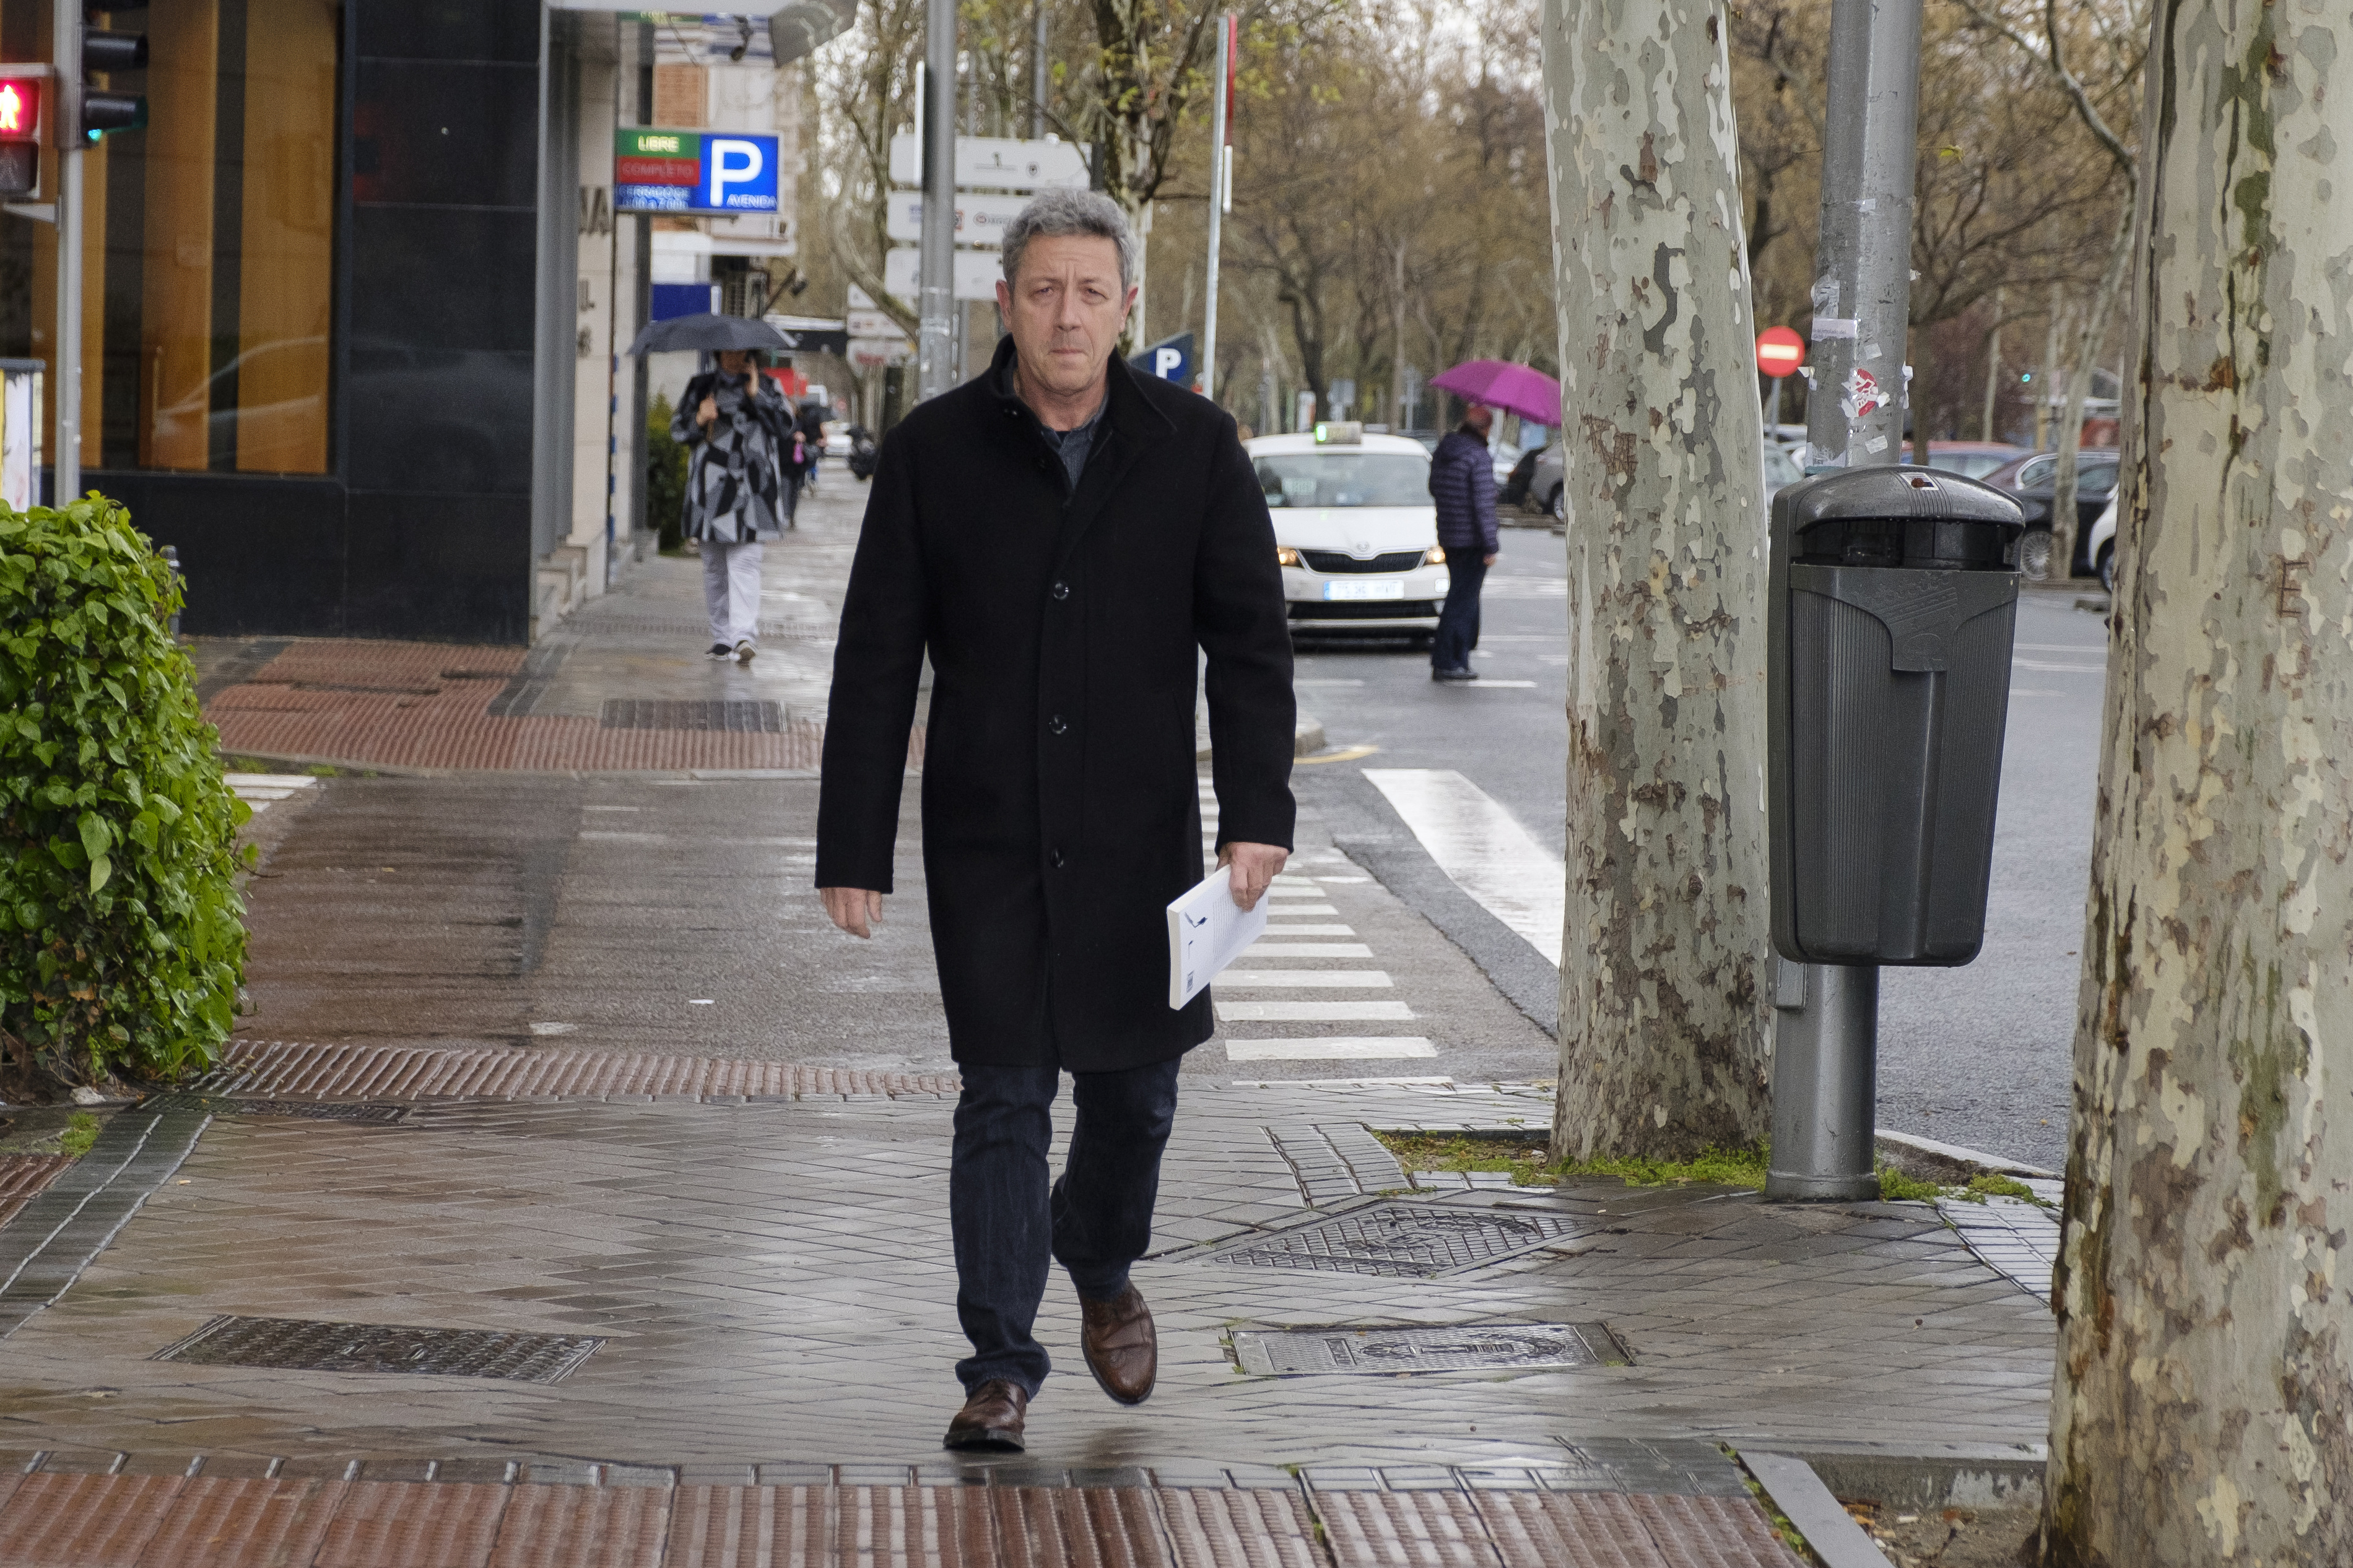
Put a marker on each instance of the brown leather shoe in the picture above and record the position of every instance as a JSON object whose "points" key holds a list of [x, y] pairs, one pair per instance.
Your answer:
{"points": [[1123, 1350], [991, 1418]]}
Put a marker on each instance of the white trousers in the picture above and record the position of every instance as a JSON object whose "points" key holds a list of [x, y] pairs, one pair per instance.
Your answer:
{"points": [[731, 589]]}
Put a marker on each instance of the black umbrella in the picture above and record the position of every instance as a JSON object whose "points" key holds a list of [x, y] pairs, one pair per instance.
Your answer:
{"points": [[708, 334]]}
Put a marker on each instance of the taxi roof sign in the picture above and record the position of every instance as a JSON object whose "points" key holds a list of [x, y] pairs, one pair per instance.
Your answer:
{"points": [[1339, 433]]}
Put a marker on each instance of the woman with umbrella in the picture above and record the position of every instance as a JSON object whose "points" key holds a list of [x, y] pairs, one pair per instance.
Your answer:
{"points": [[740, 433]]}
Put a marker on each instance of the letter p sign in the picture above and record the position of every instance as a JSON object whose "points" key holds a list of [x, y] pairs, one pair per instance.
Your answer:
{"points": [[1167, 363], [739, 174]]}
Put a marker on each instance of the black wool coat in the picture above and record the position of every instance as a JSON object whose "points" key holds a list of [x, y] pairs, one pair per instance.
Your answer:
{"points": [[1061, 806]]}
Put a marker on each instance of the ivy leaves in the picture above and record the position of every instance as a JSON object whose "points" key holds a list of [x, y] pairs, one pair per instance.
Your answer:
{"points": [[122, 935]]}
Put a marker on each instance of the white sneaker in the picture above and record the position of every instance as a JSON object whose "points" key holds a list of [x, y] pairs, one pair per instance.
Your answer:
{"points": [[744, 651]]}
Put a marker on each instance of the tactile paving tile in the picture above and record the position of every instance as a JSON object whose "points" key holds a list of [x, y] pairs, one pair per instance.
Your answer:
{"points": [[1404, 1530], [583, 1527], [244, 1523], [1711, 1532], [22, 1177], [1077, 1527], [1414, 1241], [1254, 1529], [84, 1520], [398, 1524], [289, 1070]]}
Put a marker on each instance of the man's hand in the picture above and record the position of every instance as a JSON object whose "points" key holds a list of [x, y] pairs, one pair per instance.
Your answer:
{"points": [[1255, 866], [1490, 561], [857, 910]]}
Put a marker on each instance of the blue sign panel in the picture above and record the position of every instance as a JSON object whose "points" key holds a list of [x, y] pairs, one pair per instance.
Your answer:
{"points": [[693, 172], [1170, 359], [739, 174]]}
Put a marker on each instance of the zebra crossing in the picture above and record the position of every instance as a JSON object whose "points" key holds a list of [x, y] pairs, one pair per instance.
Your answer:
{"points": [[1326, 988]]}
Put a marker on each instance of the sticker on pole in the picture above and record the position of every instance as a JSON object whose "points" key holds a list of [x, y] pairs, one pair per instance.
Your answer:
{"points": [[1862, 395], [658, 171]]}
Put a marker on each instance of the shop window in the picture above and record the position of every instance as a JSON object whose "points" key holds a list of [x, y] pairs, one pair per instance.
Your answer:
{"points": [[209, 242]]}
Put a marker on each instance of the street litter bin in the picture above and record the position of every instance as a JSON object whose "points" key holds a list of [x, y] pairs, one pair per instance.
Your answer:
{"points": [[1892, 599]]}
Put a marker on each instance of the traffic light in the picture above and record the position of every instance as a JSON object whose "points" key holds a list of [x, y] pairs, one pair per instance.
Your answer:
{"points": [[21, 98], [103, 53]]}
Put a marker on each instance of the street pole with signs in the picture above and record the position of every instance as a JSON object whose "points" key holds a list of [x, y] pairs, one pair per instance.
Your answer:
{"points": [[1221, 190], [936, 308], [65, 379], [1825, 1067]]}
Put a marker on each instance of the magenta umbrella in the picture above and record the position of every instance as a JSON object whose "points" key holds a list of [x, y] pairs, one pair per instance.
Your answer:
{"points": [[1530, 394]]}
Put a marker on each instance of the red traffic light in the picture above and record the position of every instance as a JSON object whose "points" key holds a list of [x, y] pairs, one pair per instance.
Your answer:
{"points": [[1779, 352], [20, 109]]}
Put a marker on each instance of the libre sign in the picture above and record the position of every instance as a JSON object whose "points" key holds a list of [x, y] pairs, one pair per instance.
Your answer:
{"points": [[693, 172]]}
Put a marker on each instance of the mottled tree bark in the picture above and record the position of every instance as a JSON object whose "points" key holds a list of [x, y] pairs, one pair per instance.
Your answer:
{"points": [[2204, 1385], [1664, 1014]]}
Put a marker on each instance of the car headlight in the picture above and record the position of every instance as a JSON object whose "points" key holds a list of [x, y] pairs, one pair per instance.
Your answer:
{"points": [[1285, 556], [1437, 557]]}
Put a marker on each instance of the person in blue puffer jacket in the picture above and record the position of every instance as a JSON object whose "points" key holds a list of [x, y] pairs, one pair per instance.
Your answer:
{"points": [[1463, 482]]}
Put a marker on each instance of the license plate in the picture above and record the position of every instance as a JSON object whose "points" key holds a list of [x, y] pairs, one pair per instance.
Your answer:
{"points": [[1390, 590]]}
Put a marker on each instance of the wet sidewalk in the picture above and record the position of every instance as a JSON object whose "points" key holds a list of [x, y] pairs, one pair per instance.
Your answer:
{"points": [[415, 1312], [623, 684]]}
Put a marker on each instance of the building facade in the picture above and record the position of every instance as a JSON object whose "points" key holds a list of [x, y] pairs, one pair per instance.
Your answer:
{"points": [[356, 303]]}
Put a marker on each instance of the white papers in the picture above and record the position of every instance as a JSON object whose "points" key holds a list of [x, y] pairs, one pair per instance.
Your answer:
{"points": [[1207, 932]]}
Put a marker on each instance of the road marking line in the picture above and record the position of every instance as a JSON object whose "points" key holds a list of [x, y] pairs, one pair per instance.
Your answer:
{"points": [[1490, 684], [1312, 1012], [1482, 850], [1307, 950], [1310, 930], [1333, 1048], [1298, 909], [1307, 979]]}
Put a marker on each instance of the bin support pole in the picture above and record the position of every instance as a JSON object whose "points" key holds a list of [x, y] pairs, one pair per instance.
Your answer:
{"points": [[1825, 1084], [1825, 1048]]}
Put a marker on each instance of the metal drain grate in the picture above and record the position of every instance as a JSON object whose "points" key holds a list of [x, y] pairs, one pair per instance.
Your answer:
{"points": [[312, 1110], [1417, 1241], [739, 718], [298, 1344], [1474, 1347]]}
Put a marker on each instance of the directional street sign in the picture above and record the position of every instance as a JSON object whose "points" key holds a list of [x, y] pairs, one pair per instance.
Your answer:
{"points": [[980, 220], [976, 272], [994, 164], [658, 171]]}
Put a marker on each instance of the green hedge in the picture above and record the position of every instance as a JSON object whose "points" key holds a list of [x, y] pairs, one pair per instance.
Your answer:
{"points": [[666, 469], [121, 933]]}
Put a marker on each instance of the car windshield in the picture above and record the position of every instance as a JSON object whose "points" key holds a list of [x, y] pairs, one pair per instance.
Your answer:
{"points": [[1968, 465], [1345, 478]]}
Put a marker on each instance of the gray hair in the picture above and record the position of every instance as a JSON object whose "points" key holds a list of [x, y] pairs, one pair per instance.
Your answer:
{"points": [[1065, 212]]}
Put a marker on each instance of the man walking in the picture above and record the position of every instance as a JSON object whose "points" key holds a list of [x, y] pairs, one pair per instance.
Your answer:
{"points": [[1059, 535], [1463, 483]]}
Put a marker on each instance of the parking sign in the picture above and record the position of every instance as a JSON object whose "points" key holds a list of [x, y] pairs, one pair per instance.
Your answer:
{"points": [[716, 172]]}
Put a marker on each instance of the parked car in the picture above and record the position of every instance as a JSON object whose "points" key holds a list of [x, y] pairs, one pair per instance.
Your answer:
{"points": [[1355, 531], [2100, 545], [2030, 480], [1972, 459], [1545, 485]]}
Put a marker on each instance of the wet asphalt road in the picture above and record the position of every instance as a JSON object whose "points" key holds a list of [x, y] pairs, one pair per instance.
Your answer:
{"points": [[1979, 1055]]}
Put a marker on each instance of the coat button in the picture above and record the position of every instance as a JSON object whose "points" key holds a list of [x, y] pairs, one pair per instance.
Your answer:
{"points": [[1045, 464], [1054, 857], [1057, 724], [1061, 590]]}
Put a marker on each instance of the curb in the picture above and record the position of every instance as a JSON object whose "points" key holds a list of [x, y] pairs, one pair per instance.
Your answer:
{"points": [[1950, 1164], [1306, 736], [1807, 1503]]}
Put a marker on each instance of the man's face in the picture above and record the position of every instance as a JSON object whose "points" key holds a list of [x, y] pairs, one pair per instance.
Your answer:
{"points": [[1065, 309], [1479, 416]]}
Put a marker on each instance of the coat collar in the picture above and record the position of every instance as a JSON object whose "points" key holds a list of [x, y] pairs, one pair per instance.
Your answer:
{"points": [[1127, 410]]}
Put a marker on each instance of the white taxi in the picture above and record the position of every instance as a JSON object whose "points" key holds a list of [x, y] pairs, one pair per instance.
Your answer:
{"points": [[1354, 530]]}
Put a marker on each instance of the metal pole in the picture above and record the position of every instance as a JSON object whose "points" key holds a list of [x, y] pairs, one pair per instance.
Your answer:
{"points": [[1220, 196], [1036, 72], [1825, 1067], [66, 383], [935, 369]]}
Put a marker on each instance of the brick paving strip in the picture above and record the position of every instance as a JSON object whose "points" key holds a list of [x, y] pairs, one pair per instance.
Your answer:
{"points": [[122, 1510], [22, 1177], [435, 706], [283, 1069]]}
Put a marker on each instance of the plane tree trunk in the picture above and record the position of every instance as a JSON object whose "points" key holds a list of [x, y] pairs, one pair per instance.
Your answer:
{"points": [[1664, 1010], [2205, 1383]]}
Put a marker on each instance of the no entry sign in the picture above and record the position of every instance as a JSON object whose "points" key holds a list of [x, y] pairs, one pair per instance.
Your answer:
{"points": [[1779, 351]]}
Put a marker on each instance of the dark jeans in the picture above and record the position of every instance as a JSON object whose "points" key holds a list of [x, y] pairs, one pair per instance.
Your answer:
{"points": [[1458, 623], [1094, 1221]]}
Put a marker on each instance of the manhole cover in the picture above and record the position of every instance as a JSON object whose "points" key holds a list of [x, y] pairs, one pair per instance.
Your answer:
{"points": [[738, 718], [1414, 1240], [1474, 1347], [314, 1111], [301, 1345]]}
